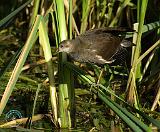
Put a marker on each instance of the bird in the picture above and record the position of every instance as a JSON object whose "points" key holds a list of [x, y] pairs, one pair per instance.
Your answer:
{"points": [[99, 46]]}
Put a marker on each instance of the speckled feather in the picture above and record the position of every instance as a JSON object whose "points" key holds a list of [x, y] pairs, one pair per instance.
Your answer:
{"points": [[98, 46]]}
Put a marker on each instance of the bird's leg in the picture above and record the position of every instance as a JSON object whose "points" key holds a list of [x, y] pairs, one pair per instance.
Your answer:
{"points": [[100, 75], [96, 84]]}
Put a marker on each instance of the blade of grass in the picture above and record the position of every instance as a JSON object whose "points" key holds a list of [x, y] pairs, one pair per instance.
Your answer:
{"points": [[54, 28], [90, 80], [44, 41], [131, 116], [7, 18], [35, 100], [147, 52], [126, 119], [86, 6], [136, 71], [67, 6], [119, 12], [71, 90], [145, 30], [70, 19], [34, 12], [81, 73], [65, 81], [110, 11], [150, 119], [11, 61]]}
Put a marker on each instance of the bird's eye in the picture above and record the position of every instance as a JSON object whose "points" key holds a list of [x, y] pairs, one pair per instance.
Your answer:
{"points": [[61, 46]]}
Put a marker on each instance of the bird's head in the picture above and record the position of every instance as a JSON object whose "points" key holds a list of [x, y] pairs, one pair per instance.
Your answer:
{"points": [[66, 46]]}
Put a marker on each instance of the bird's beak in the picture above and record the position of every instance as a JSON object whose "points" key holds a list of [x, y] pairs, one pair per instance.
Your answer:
{"points": [[59, 50]]}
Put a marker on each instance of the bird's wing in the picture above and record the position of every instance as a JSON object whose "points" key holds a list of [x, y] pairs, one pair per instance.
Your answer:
{"points": [[102, 46]]}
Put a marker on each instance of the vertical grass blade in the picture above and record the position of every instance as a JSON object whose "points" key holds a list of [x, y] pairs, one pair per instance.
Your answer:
{"points": [[34, 12], [64, 73], [86, 6], [136, 69], [44, 41], [119, 12]]}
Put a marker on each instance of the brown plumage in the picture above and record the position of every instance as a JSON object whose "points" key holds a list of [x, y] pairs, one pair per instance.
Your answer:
{"points": [[98, 46]]}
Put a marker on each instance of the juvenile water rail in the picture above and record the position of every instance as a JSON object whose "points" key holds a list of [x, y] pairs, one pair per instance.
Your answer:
{"points": [[99, 46]]}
